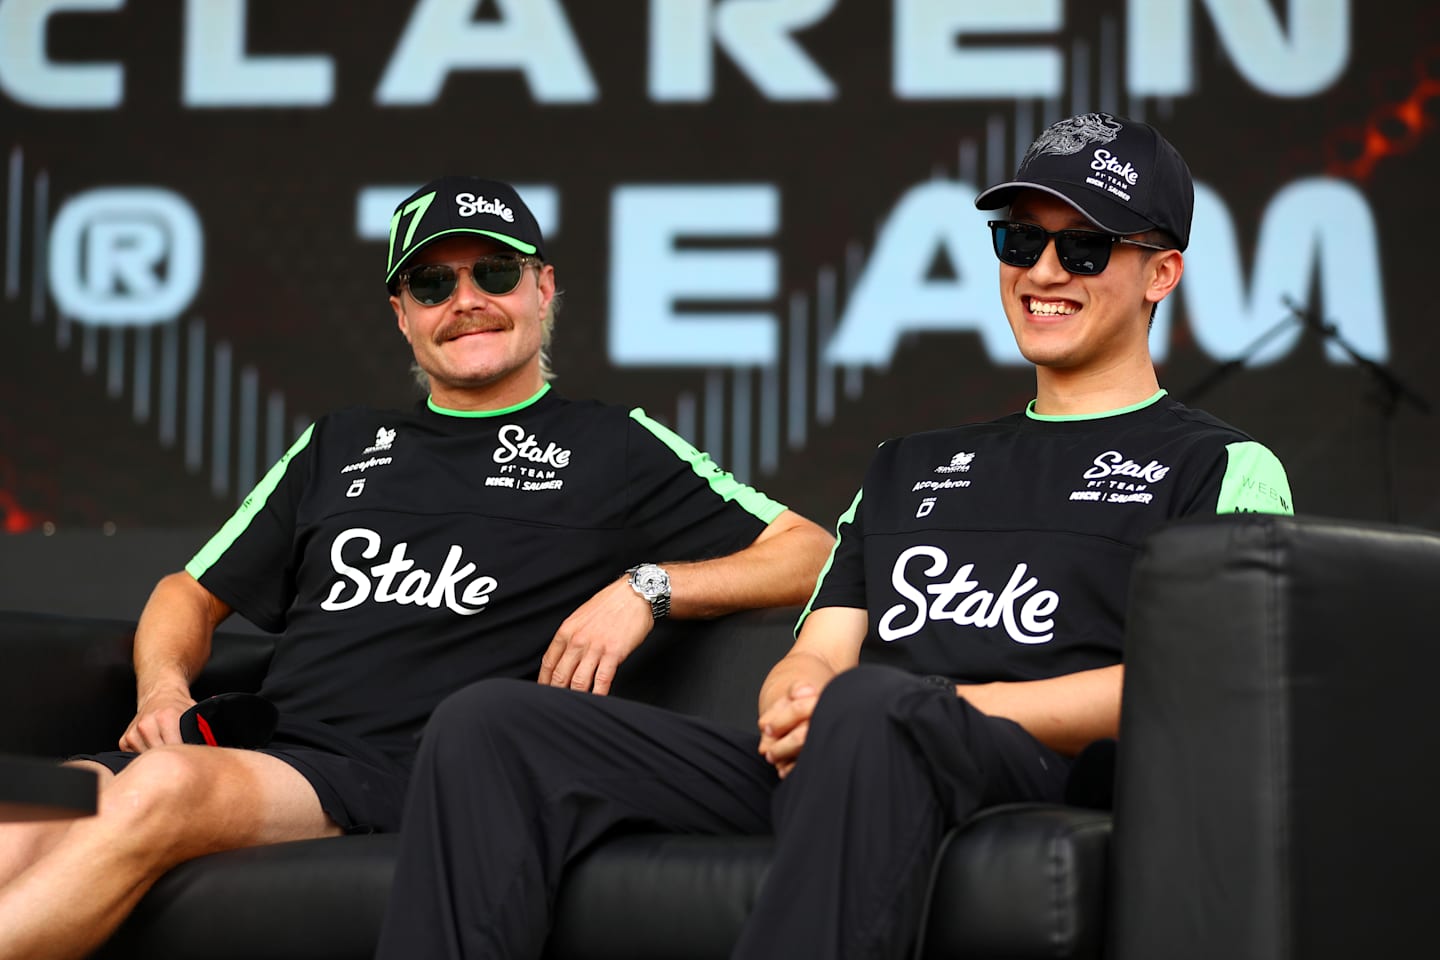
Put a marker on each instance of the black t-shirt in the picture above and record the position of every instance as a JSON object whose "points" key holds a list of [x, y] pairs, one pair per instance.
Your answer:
{"points": [[1003, 550], [406, 554]]}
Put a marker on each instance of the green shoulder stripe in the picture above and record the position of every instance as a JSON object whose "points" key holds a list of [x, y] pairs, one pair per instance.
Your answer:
{"points": [[846, 518], [241, 518], [1255, 481], [724, 484]]}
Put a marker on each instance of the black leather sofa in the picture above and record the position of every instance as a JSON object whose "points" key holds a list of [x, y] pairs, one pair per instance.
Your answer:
{"points": [[1017, 882], [1274, 798]]}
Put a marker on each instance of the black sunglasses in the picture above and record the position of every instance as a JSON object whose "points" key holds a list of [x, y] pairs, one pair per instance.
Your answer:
{"points": [[434, 283], [1082, 252]]}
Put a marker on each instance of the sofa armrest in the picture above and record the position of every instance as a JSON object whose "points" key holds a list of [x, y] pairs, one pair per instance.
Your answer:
{"points": [[1277, 727], [1020, 881], [69, 687]]}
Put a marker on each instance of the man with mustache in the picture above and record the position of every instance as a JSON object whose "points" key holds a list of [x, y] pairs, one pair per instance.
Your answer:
{"points": [[495, 530]]}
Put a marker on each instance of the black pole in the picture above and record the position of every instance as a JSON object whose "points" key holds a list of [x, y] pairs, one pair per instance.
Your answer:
{"points": [[1223, 370], [1392, 392]]}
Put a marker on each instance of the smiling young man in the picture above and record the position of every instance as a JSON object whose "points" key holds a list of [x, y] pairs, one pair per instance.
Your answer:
{"points": [[495, 530], [962, 645]]}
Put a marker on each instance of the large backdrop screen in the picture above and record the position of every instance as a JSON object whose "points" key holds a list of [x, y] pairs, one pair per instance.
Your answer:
{"points": [[760, 211]]}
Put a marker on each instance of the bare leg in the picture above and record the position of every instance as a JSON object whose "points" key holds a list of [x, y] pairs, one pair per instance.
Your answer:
{"points": [[171, 804], [21, 844]]}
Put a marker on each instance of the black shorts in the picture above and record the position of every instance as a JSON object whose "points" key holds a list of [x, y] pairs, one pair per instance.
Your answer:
{"points": [[361, 788]]}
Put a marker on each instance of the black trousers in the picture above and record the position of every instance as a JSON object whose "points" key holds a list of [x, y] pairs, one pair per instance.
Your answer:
{"points": [[514, 780]]}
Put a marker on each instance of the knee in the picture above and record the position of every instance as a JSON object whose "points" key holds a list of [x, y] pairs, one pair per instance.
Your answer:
{"points": [[863, 696], [155, 793], [481, 705], [490, 713]]}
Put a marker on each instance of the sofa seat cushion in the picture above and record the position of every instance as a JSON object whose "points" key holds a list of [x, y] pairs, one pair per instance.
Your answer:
{"points": [[306, 900], [1019, 881]]}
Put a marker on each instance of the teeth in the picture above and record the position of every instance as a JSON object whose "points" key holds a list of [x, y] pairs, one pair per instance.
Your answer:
{"points": [[1052, 308]]}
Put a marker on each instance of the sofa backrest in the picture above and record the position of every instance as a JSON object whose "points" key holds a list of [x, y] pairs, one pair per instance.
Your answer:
{"points": [[709, 668], [67, 685]]}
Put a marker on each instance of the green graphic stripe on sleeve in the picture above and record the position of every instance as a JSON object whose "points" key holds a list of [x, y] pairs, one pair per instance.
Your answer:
{"points": [[723, 483], [846, 518], [238, 521], [1255, 481]]}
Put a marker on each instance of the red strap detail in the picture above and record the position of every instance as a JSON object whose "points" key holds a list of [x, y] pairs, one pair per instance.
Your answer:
{"points": [[205, 730]]}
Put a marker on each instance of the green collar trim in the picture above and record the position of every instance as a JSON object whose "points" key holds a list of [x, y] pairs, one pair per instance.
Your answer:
{"points": [[443, 411], [1030, 410]]}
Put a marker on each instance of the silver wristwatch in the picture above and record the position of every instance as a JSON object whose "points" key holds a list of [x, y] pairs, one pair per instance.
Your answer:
{"points": [[652, 583]]}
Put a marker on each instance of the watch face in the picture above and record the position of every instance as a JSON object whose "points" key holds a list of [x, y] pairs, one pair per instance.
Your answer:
{"points": [[651, 580]]}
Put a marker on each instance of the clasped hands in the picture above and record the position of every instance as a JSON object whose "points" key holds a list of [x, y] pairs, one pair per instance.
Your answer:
{"points": [[784, 725]]}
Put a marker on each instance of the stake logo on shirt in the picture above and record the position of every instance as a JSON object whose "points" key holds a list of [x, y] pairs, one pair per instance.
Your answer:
{"points": [[962, 599], [398, 580], [1115, 478], [524, 464]]}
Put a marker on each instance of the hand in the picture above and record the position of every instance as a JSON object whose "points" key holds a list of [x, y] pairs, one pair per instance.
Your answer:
{"points": [[785, 724], [589, 646], [157, 719]]}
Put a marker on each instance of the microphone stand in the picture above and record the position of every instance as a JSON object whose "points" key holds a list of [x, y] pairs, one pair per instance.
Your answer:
{"points": [[1392, 391], [1222, 371]]}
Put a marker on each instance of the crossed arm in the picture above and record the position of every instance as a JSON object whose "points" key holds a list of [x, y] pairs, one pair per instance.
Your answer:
{"points": [[777, 569], [172, 644], [1065, 713]]}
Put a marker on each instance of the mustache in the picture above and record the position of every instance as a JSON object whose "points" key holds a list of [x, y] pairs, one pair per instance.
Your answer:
{"points": [[461, 327]]}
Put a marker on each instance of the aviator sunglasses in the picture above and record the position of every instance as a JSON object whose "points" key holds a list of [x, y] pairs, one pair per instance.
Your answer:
{"points": [[1082, 252], [498, 274]]}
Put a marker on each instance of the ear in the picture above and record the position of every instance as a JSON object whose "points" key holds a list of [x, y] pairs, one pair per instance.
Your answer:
{"points": [[400, 321], [545, 284], [1163, 273]]}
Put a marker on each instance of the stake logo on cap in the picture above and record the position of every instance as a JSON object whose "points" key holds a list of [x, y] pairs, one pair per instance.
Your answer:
{"points": [[1122, 175], [454, 206]]}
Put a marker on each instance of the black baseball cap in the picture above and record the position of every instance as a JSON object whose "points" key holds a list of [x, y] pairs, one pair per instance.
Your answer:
{"points": [[454, 206], [1122, 175]]}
